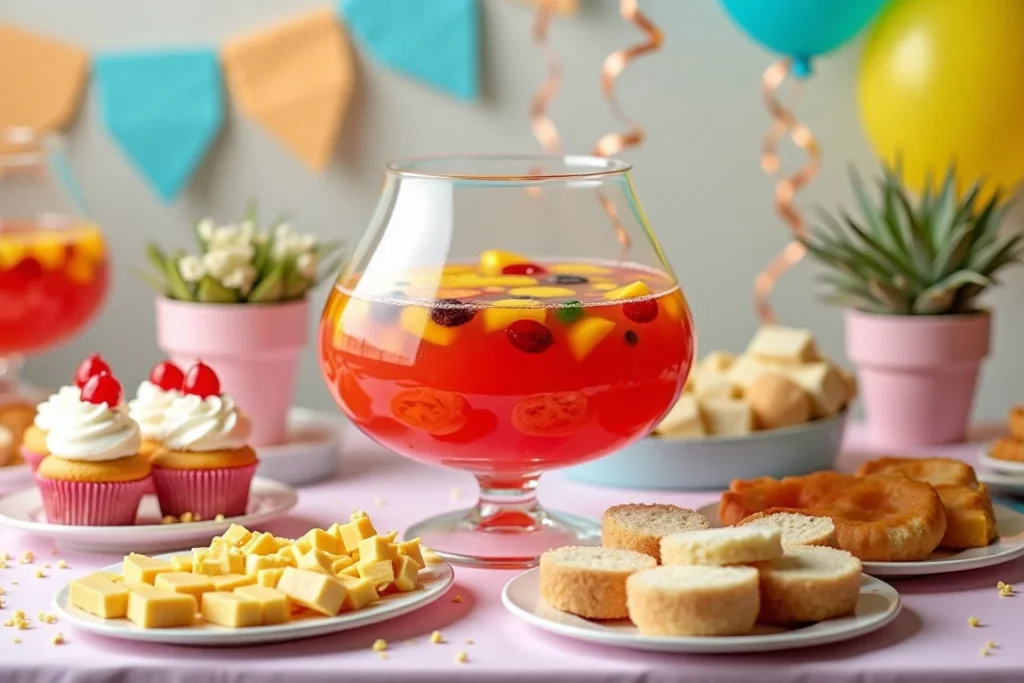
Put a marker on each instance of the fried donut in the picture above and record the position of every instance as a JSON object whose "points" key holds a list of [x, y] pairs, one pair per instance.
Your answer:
{"points": [[934, 471]]}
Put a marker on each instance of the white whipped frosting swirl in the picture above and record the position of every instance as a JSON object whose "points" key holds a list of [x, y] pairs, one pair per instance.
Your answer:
{"points": [[210, 424], [48, 410], [92, 432], [149, 408]]}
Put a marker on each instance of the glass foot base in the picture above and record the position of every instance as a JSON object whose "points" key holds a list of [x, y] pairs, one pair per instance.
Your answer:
{"points": [[509, 539]]}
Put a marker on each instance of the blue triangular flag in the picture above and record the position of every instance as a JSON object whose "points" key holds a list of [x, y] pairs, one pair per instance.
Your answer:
{"points": [[163, 108], [436, 42]]}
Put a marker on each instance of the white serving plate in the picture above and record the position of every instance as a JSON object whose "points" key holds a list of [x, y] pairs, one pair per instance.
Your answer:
{"points": [[1005, 466], [685, 464], [24, 511], [1009, 546], [311, 451], [436, 580], [1001, 482], [878, 605]]}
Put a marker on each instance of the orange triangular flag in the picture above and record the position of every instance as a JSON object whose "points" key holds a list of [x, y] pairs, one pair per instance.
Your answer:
{"points": [[41, 80], [295, 79]]}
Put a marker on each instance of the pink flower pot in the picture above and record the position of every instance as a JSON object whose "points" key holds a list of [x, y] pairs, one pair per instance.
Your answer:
{"points": [[253, 348], [917, 374]]}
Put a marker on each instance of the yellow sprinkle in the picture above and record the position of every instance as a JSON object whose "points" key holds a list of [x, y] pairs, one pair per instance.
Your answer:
{"points": [[219, 518], [58, 639], [3, 564], [380, 645], [22, 625], [1000, 585], [990, 644], [27, 557], [169, 519], [61, 564], [20, 614], [1, 591], [9, 623], [382, 655], [14, 583], [40, 574], [379, 502], [469, 641], [457, 598], [436, 637], [46, 566], [4, 557], [17, 641], [461, 657], [41, 616], [984, 652], [973, 621], [186, 517]]}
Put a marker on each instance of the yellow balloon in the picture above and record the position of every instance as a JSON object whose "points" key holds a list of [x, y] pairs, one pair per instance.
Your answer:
{"points": [[942, 81]]}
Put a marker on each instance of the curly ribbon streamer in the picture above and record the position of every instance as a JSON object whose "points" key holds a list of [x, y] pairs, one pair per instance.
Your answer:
{"points": [[540, 123], [783, 123]]}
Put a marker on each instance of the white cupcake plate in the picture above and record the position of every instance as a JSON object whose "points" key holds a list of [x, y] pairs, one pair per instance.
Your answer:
{"points": [[878, 605], [1009, 546], [309, 454], [997, 465], [23, 511], [435, 579]]}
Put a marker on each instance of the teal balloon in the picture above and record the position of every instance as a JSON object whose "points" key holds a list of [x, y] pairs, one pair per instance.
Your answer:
{"points": [[802, 29]]}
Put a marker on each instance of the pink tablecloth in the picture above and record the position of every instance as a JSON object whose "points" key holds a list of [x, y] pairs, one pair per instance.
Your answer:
{"points": [[930, 640]]}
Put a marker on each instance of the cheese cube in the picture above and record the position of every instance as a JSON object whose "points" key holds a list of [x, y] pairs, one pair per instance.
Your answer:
{"points": [[824, 384], [783, 345], [358, 514], [182, 563], [321, 540], [212, 566], [261, 544], [727, 416], [229, 609], [335, 530], [714, 385], [377, 549], [99, 596], [313, 590], [182, 582], [219, 548], [303, 545], [282, 542], [236, 561], [717, 361], [746, 369], [286, 557], [351, 570], [355, 531], [142, 569], [406, 574], [229, 582], [198, 555], [361, 592], [109, 576], [340, 563], [412, 549], [255, 563], [683, 419], [390, 536], [380, 573], [269, 577], [316, 560], [237, 535], [275, 608], [150, 607]]}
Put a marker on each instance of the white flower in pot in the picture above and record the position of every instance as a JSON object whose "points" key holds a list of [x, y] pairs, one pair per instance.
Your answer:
{"points": [[240, 304], [910, 276]]}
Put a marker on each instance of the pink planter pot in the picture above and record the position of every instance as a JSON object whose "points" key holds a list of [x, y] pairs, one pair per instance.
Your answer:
{"points": [[917, 374], [254, 349]]}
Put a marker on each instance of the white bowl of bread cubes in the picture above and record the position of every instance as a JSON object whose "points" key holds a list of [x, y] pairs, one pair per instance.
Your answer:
{"points": [[778, 409]]}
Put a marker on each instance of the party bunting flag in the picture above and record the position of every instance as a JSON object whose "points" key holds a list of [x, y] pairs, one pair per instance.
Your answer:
{"points": [[164, 109], [41, 80], [437, 43], [296, 80]]}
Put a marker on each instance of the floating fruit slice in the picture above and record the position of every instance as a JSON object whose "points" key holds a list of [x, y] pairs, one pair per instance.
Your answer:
{"points": [[434, 411], [458, 268], [416, 321], [475, 281], [631, 291], [79, 269], [603, 286], [569, 312], [504, 312], [529, 336], [560, 413], [451, 293], [91, 244], [567, 280], [523, 269], [493, 261], [451, 313], [542, 292], [586, 334], [579, 269], [674, 305], [49, 251], [643, 311], [11, 251]]}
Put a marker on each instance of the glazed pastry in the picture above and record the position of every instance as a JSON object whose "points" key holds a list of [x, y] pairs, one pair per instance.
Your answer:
{"points": [[153, 400], [94, 475], [205, 464], [934, 471]]}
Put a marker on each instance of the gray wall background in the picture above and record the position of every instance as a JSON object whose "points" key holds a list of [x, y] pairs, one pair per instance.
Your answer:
{"points": [[698, 175]]}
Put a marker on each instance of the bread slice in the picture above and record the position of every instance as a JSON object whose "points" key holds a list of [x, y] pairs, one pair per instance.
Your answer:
{"points": [[641, 527], [796, 529], [590, 582], [809, 584], [693, 601], [730, 545]]}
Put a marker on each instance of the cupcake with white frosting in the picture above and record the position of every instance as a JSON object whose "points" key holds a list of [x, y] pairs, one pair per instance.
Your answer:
{"points": [[152, 401], [205, 464], [94, 474]]}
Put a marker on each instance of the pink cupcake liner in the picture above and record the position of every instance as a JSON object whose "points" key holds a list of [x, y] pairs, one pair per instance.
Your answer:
{"points": [[32, 458], [207, 493], [91, 503]]}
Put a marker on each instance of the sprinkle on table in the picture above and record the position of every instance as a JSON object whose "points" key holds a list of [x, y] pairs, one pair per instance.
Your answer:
{"points": [[380, 645], [46, 566], [973, 622], [17, 641], [3, 564], [219, 518], [4, 557], [436, 637], [58, 639], [40, 574], [27, 557], [382, 655], [379, 502], [187, 517], [461, 657], [169, 519], [61, 564], [457, 598], [469, 641], [1, 591]]}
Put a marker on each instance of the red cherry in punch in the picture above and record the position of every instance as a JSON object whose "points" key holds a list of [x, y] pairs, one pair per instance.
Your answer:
{"points": [[89, 368], [102, 388], [643, 311], [201, 381], [167, 376], [529, 336], [523, 269]]}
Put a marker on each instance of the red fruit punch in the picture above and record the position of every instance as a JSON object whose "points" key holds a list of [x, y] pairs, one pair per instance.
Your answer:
{"points": [[89, 368], [201, 381], [102, 388], [167, 376]]}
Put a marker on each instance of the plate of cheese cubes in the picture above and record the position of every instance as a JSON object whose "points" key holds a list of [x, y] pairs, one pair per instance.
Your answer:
{"points": [[249, 587], [778, 409]]}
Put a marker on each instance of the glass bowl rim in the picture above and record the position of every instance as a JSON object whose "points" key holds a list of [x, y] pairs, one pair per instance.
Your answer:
{"points": [[590, 167]]}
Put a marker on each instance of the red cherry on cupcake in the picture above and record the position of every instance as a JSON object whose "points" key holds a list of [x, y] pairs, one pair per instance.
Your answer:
{"points": [[102, 388], [167, 376], [89, 368], [201, 381]]}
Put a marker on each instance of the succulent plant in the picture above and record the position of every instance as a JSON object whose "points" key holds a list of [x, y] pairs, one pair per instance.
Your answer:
{"points": [[238, 263], [934, 258]]}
